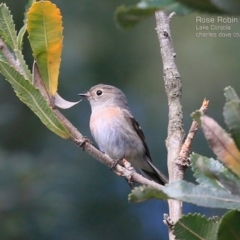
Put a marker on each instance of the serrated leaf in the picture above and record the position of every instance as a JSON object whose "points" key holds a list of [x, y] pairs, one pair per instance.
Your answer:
{"points": [[143, 193], [32, 97], [212, 174], [195, 227], [231, 113], [23, 30], [221, 144], [229, 226], [7, 28], [202, 5], [44, 26], [229, 6], [230, 94], [199, 162], [129, 16], [9, 36], [21, 62], [201, 196]]}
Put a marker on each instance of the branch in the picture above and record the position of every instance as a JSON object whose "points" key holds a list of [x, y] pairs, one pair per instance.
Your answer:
{"points": [[183, 159], [173, 88]]}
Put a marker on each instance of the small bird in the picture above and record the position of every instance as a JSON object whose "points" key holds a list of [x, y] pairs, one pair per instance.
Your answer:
{"points": [[117, 133]]}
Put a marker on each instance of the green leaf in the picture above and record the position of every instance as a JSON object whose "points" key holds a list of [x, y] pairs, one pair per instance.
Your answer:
{"points": [[9, 36], [229, 6], [202, 5], [196, 116], [230, 94], [25, 71], [212, 174], [143, 193], [201, 196], [229, 226], [231, 113], [195, 227], [129, 16], [32, 97], [44, 26], [7, 28], [199, 165], [24, 27]]}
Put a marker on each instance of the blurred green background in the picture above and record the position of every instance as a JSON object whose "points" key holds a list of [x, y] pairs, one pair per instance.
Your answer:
{"points": [[52, 190]]}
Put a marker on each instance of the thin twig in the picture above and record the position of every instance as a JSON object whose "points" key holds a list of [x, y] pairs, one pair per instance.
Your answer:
{"points": [[173, 88], [183, 159]]}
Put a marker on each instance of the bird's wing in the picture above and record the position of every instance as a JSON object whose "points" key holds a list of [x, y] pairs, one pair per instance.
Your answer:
{"points": [[139, 132], [156, 175]]}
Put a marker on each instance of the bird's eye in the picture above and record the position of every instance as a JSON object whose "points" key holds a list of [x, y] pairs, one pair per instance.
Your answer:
{"points": [[99, 92]]}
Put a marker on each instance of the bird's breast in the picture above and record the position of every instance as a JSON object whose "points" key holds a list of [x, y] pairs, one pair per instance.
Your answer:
{"points": [[111, 132], [104, 118], [104, 125]]}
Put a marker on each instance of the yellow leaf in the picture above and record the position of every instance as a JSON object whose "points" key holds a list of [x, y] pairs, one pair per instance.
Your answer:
{"points": [[222, 144], [44, 26]]}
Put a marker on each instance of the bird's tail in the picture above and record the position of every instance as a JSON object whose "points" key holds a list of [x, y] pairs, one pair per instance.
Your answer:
{"points": [[155, 175]]}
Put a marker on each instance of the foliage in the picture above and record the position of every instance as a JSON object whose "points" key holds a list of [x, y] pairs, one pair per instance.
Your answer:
{"points": [[21, 79], [219, 180], [129, 16]]}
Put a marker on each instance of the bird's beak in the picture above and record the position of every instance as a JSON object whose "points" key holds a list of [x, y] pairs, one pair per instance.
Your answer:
{"points": [[84, 94]]}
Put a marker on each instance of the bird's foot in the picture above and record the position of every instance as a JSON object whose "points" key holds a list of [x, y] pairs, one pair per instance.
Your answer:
{"points": [[115, 162], [168, 221]]}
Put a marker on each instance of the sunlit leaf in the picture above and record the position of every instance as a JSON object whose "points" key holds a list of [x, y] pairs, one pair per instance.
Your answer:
{"points": [[221, 144], [44, 26]]}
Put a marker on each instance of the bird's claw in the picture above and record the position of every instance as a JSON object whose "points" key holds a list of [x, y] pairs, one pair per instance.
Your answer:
{"points": [[168, 221], [115, 163]]}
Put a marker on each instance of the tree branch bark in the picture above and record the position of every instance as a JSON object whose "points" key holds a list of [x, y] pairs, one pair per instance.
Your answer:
{"points": [[173, 88]]}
